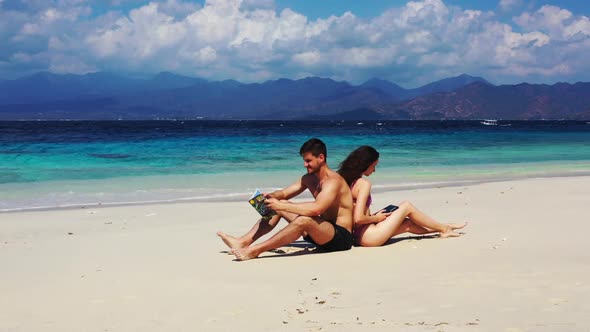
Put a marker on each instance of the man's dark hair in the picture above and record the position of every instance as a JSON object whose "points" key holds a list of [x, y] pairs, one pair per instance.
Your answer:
{"points": [[315, 146]]}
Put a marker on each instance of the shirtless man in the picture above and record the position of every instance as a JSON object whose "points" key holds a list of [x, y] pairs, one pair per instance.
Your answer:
{"points": [[326, 221]]}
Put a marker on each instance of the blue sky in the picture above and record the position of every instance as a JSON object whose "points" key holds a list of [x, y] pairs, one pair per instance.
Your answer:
{"points": [[407, 42], [372, 8]]}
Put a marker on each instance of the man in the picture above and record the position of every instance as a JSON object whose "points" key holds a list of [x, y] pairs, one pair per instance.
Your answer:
{"points": [[327, 221]]}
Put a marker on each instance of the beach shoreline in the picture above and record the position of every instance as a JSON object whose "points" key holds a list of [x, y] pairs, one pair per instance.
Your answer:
{"points": [[161, 267], [378, 187]]}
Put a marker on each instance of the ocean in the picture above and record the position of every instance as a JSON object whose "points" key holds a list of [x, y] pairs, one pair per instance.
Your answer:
{"points": [[58, 164]]}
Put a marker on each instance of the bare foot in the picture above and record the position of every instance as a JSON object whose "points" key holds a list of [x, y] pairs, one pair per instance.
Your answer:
{"points": [[449, 233], [230, 241], [243, 254], [456, 226]]}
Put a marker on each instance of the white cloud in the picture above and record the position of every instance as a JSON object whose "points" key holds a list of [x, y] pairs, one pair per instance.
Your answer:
{"points": [[215, 22], [307, 59], [255, 28], [427, 13], [142, 35], [290, 26], [548, 18], [579, 27], [363, 57], [559, 23], [51, 19], [249, 40], [206, 55]]}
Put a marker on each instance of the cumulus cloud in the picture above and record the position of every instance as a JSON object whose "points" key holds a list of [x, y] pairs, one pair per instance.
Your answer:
{"points": [[142, 35], [559, 23], [250, 41], [307, 59]]}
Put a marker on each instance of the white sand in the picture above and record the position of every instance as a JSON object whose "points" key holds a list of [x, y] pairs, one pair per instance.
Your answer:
{"points": [[523, 265]]}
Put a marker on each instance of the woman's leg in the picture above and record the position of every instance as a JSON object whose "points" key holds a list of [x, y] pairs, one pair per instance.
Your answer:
{"points": [[421, 219], [377, 234], [408, 226]]}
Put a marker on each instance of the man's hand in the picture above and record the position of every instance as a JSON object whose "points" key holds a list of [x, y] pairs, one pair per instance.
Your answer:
{"points": [[274, 204], [270, 195]]}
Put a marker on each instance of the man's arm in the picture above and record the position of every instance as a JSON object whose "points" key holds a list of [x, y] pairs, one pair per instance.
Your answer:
{"points": [[289, 192], [322, 202]]}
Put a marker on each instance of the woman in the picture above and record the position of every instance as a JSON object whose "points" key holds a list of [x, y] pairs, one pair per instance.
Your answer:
{"points": [[371, 230]]}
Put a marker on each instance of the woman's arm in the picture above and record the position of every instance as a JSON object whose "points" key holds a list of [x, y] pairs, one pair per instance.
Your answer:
{"points": [[361, 213]]}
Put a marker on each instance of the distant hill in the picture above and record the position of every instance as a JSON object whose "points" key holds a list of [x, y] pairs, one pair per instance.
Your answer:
{"points": [[444, 85], [167, 95], [522, 101], [392, 89], [167, 80], [280, 99], [45, 86]]}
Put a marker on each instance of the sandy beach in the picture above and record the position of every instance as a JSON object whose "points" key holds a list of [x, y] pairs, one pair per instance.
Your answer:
{"points": [[523, 264]]}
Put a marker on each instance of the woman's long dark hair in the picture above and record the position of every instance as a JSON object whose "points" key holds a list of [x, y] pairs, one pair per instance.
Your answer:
{"points": [[357, 162]]}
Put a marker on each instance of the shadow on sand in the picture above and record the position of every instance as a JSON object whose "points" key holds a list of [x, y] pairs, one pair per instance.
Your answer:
{"points": [[297, 248], [301, 247], [395, 240]]}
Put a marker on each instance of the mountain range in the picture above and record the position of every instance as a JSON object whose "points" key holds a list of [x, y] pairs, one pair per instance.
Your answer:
{"points": [[108, 96]]}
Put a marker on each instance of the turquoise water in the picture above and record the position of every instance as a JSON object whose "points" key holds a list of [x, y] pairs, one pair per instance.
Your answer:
{"points": [[50, 164]]}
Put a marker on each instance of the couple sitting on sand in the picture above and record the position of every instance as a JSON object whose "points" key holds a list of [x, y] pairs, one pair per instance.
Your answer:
{"points": [[339, 216]]}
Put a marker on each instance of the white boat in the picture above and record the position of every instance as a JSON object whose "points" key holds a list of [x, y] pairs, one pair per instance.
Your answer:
{"points": [[489, 122]]}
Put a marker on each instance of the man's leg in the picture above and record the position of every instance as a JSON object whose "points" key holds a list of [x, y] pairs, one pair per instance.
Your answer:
{"points": [[321, 231], [260, 228]]}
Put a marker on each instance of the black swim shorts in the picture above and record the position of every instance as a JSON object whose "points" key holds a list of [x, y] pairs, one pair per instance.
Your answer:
{"points": [[342, 240]]}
